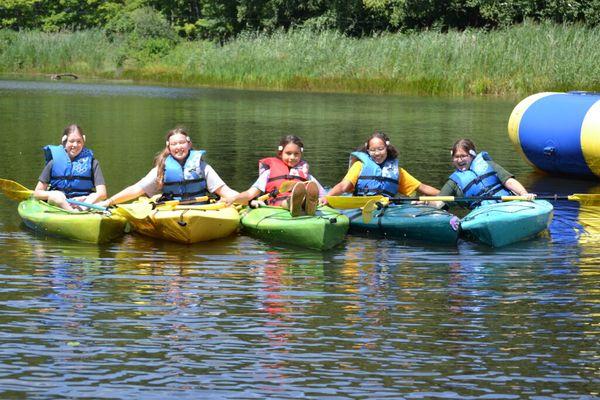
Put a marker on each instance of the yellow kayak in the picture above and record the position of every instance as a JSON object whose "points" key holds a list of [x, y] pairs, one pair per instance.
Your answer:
{"points": [[184, 223]]}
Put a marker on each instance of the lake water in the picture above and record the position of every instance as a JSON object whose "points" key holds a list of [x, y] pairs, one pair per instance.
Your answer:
{"points": [[240, 318]]}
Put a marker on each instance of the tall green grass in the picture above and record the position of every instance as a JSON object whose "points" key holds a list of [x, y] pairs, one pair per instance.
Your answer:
{"points": [[514, 61], [85, 52]]}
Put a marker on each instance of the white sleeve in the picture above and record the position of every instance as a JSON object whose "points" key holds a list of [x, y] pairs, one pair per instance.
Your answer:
{"points": [[261, 182], [213, 180], [148, 183]]}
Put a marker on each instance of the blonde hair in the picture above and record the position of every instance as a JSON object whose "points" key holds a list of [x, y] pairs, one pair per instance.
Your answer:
{"points": [[161, 157]]}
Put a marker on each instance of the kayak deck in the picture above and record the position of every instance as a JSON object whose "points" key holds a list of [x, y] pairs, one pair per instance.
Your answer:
{"points": [[322, 231], [84, 226], [184, 224], [501, 224], [406, 221]]}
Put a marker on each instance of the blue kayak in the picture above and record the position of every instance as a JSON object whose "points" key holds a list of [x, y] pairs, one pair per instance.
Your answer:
{"points": [[501, 224], [406, 221]]}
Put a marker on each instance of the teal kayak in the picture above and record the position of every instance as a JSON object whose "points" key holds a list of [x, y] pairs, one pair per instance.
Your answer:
{"points": [[501, 224], [406, 221], [324, 230], [84, 226]]}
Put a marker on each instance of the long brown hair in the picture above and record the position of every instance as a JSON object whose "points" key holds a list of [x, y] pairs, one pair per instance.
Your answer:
{"points": [[161, 157], [392, 152]]}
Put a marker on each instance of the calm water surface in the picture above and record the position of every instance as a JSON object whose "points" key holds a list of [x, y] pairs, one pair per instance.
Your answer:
{"points": [[240, 318]]}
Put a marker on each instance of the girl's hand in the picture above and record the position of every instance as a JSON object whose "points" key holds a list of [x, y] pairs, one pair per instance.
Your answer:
{"points": [[229, 200], [323, 201], [257, 203], [59, 199], [529, 196], [104, 203]]}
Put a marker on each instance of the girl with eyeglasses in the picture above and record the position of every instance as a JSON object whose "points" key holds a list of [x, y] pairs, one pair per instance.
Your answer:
{"points": [[476, 175], [375, 170], [179, 173]]}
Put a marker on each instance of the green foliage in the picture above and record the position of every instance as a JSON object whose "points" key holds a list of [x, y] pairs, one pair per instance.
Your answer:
{"points": [[145, 31], [225, 19]]}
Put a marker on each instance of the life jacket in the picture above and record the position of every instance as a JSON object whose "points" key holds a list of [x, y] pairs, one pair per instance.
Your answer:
{"points": [[479, 180], [279, 172], [187, 181], [72, 177], [375, 179]]}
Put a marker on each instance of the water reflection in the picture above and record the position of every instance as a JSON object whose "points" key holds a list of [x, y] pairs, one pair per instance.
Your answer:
{"points": [[241, 318]]}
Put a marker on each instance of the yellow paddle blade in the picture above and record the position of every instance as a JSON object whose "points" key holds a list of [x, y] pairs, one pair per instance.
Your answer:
{"points": [[592, 199], [373, 205], [344, 202], [286, 186], [14, 190], [134, 211]]}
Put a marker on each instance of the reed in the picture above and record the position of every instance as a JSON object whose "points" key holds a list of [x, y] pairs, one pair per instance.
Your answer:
{"points": [[83, 52], [514, 61]]}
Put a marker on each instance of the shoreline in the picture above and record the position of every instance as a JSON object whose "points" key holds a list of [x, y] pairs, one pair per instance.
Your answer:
{"points": [[510, 63]]}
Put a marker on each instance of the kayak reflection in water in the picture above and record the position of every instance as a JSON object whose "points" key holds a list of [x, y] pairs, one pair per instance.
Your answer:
{"points": [[179, 173], [287, 179], [71, 172], [375, 170], [477, 175]]}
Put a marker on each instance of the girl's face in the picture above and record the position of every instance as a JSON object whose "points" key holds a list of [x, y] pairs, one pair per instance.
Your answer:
{"points": [[291, 155], [74, 144], [179, 146], [461, 159], [377, 150]]}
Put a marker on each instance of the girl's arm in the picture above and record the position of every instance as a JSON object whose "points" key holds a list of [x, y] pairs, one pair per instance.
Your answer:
{"points": [[345, 186], [515, 186], [98, 195], [241, 198], [55, 197], [428, 190], [129, 193]]}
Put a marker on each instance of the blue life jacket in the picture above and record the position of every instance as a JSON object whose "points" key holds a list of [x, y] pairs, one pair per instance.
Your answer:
{"points": [[375, 179], [72, 177], [187, 181], [480, 180]]}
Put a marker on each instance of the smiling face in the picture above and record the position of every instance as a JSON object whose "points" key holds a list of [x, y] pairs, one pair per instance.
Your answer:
{"points": [[291, 155], [461, 159], [179, 146], [377, 150], [74, 144]]}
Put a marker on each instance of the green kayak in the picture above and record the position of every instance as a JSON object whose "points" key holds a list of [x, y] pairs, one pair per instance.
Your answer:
{"points": [[84, 226], [321, 231]]}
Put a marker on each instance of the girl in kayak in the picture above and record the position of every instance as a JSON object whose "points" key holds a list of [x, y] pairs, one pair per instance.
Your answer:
{"points": [[375, 170], [287, 179], [71, 172], [478, 175], [179, 173]]}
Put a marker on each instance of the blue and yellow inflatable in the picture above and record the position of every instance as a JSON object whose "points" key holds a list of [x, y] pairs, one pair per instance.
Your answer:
{"points": [[559, 132]]}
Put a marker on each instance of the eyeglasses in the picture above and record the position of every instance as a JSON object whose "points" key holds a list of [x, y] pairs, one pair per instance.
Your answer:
{"points": [[378, 150], [461, 156]]}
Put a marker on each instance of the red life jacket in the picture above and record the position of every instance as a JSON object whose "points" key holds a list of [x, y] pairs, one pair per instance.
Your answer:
{"points": [[280, 173]]}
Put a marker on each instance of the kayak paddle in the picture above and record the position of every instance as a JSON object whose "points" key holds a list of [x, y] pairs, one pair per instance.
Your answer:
{"points": [[15, 191], [343, 202]]}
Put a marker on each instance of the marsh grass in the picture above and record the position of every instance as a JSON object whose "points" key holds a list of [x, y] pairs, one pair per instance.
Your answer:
{"points": [[514, 61]]}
